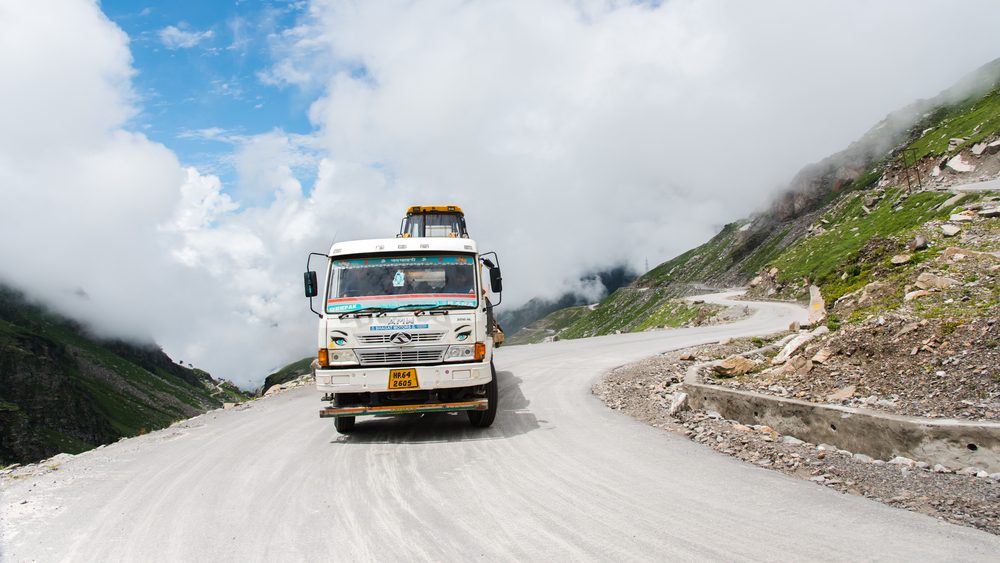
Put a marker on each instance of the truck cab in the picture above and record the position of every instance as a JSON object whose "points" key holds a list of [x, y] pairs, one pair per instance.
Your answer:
{"points": [[433, 221], [404, 328]]}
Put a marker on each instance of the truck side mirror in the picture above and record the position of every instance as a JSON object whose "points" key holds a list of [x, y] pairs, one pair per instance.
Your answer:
{"points": [[496, 280], [310, 282]]}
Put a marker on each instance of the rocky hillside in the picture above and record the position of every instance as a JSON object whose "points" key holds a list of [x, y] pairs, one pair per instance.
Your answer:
{"points": [[62, 390], [836, 218], [917, 313], [606, 281], [289, 373]]}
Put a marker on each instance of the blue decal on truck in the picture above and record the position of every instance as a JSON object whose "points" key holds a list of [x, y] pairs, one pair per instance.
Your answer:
{"points": [[397, 327]]}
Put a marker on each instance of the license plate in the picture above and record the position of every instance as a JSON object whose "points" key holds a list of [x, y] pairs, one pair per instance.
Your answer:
{"points": [[403, 379]]}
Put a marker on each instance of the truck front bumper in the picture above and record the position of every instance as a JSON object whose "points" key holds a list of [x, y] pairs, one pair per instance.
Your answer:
{"points": [[384, 410], [376, 380]]}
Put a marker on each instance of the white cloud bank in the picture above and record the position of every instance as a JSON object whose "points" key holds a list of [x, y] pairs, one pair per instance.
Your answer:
{"points": [[577, 135]]}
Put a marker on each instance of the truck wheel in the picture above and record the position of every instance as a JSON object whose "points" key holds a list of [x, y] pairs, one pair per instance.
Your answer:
{"points": [[482, 419], [344, 424]]}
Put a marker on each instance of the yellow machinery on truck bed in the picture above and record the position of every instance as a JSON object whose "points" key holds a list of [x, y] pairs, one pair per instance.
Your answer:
{"points": [[434, 221]]}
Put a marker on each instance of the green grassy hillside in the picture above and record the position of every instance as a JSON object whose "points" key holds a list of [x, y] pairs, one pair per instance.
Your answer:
{"points": [[628, 309], [839, 259], [738, 251], [288, 373], [549, 326], [973, 119], [855, 255], [62, 390]]}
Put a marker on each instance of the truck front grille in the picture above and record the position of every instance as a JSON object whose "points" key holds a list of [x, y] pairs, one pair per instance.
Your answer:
{"points": [[386, 356], [386, 338]]}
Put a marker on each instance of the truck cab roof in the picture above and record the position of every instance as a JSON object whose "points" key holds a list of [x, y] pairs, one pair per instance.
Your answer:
{"points": [[398, 245]]}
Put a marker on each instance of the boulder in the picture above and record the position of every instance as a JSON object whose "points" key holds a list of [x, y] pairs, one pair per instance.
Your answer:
{"points": [[796, 365], [900, 259], [958, 164], [733, 366], [951, 201], [900, 460], [919, 242], [950, 230], [679, 403], [979, 148], [841, 394], [990, 212], [817, 306], [822, 356], [790, 348], [928, 280]]}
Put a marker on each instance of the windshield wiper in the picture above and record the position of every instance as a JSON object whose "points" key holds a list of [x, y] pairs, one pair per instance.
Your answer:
{"points": [[424, 307], [419, 307], [381, 310]]}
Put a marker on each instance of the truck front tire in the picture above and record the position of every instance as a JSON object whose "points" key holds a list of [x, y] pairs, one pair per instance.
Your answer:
{"points": [[344, 424], [483, 419]]}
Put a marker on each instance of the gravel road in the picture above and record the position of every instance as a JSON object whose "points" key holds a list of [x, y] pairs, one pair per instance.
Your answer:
{"points": [[558, 476]]}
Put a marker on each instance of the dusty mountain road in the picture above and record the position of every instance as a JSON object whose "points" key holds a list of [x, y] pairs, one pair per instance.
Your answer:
{"points": [[558, 476]]}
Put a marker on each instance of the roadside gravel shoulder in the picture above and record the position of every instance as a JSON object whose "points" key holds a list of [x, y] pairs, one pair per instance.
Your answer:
{"points": [[648, 389]]}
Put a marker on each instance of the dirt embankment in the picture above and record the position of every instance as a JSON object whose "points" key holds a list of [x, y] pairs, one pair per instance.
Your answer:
{"points": [[648, 389], [894, 363]]}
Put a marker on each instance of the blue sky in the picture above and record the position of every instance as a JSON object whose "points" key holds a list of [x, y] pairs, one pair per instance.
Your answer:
{"points": [[199, 75]]}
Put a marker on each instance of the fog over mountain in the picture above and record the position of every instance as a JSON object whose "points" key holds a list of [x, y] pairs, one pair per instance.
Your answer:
{"points": [[577, 136]]}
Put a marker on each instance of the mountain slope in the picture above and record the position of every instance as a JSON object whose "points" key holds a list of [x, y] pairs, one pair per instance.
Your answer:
{"points": [[603, 283], [62, 390], [288, 373], [875, 192]]}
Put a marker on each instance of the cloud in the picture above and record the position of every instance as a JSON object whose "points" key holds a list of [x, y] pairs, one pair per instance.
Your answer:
{"points": [[174, 37], [577, 135], [89, 208], [206, 134]]}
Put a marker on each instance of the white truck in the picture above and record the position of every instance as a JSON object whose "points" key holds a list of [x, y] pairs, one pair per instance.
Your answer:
{"points": [[406, 327]]}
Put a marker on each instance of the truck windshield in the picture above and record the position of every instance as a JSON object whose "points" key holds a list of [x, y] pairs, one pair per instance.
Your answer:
{"points": [[434, 225], [407, 282]]}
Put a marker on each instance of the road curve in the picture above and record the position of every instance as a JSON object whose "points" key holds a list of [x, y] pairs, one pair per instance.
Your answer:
{"points": [[558, 476]]}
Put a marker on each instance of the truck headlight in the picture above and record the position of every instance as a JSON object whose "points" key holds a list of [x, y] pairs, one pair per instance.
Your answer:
{"points": [[342, 357], [459, 353]]}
